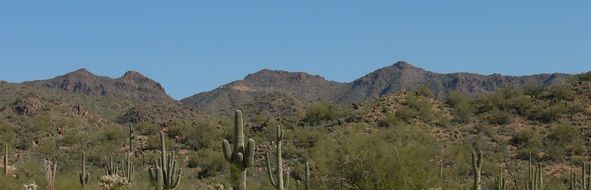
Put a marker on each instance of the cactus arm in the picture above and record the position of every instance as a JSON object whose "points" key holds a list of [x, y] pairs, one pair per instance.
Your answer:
{"points": [[238, 131], [307, 177], [287, 180], [249, 153], [269, 169], [227, 150], [477, 168]]}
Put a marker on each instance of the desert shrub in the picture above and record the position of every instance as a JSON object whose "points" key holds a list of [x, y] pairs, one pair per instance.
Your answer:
{"points": [[507, 99], [582, 77], [562, 139], [560, 93], [113, 134], [546, 113], [209, 163], [319, 112], [424, 90], [398, 159], [391, 120], [528, 141], [414, 107], [463, 111], [498, 117], [9, 182], [534, 91], [146, 128], [202, 136], [455, 97]]}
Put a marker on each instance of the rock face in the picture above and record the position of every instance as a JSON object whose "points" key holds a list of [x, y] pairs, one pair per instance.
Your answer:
{"points": [[132, 85], [401, 76]]}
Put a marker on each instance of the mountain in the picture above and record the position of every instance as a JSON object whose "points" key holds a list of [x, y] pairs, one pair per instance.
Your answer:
{"points": [[87, 98], [268, 88], [132, 85], [401, 76]]}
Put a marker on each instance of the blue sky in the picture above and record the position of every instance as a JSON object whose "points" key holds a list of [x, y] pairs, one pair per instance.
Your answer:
{"points": [[191, 46]]}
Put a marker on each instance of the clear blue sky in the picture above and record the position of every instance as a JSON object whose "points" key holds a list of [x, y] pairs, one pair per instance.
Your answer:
{"points": [[191, 46]]}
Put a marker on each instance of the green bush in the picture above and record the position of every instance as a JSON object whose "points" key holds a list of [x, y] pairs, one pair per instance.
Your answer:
{"points": [[498, 117], [565, 138], [560, 93], [528, 141], [319, 112]]}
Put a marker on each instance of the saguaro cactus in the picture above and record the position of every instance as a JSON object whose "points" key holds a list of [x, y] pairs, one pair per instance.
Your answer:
{"points": [[131, 137], [240, 157], [477, 168], [5, 159], [111, 168], [500, 180], [306, 179], [278, 180], [535, 175], [127, 169], [165, 174], [83, 175], [584, 183], [50, 171]]}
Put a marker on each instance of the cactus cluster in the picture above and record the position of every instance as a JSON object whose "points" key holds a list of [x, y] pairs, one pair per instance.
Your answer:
{"points": [[534, 175], [500, 182], [111, 168], [584, 183], [165, 174], [278, 180], [239, 156]]}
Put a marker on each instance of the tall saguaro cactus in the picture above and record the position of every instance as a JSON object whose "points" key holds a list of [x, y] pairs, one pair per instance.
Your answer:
{"points": [[278, 180], [131, 137], [240, 157], [5, 159], [127, 169], [165, 174], [50, 170], [83, 175], [477, 168]]}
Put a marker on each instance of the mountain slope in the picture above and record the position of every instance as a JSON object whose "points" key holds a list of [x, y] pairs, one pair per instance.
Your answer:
{"points": [[295, 88], [401, 76], [132, 85]]}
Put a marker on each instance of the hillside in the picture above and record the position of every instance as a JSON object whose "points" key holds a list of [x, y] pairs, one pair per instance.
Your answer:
{"points": [[132, 85], [401, 76], [398, 140]]}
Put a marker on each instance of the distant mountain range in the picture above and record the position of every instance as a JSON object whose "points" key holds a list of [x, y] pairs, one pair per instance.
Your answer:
{"points": [[282, 92], [301, 88]]}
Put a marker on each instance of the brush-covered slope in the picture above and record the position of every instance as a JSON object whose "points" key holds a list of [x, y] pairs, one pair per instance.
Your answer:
{"points": [[303, 87]]}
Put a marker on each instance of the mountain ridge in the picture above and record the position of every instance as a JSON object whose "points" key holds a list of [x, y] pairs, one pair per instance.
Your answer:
{"points": [[398, 77], [132, 85]]}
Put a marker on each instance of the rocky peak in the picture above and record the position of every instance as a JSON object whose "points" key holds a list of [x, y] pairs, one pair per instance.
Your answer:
{"points": [[80, 73], [134, 76], [132, 85], [273, 76]]}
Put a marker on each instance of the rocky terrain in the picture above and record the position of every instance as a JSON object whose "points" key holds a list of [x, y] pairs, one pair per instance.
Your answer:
{"points": [[401, 76]]}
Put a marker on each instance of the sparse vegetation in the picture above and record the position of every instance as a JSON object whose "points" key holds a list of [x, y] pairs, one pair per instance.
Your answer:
{"points": [[399, 141]]}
